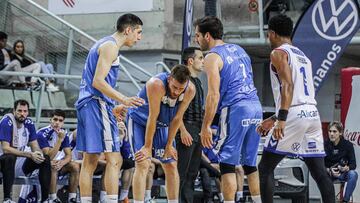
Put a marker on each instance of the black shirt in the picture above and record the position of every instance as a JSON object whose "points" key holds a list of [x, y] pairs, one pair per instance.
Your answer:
{"points": [[194, 113], [343, 150]]}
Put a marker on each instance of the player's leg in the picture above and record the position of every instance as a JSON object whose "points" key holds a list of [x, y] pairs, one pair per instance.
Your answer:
{"points": [[73, 169], [86, 175], [149, 181], [126, 178], [240, 183], [171, 181], [53, 184], [111, 179]]}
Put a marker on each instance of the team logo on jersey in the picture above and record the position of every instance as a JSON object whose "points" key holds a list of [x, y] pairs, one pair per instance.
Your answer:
{"points": [[311, 145], [341, 23], [248, 122], [295, 146]]}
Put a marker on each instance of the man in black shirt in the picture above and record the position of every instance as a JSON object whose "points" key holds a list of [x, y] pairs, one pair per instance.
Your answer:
{"points": [[340, 159], [188, 141]]}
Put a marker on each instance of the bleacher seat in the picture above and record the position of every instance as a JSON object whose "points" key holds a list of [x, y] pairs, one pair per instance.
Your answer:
{"points": [[8, 98], [45, 103], [57, 100], [24, 94]]}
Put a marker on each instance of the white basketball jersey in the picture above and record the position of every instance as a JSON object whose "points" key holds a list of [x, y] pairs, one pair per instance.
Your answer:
{"points": [[301, 74]]}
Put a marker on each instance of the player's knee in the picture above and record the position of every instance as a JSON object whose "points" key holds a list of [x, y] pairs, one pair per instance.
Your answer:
{"points": [[239, 170], [171, 168], [249, 169], [226, 168], [143, 166], [74, 167]]}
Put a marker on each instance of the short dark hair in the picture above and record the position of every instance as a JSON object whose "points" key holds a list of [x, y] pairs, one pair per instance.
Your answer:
{"points": [[58, 112], [281, 25], [3, 35], [210, 24], [338, 125], [127, 20], [180, 73], [187, 53], [22, 42], [21, 102]]}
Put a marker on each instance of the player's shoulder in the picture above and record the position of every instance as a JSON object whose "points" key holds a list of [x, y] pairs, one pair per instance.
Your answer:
{"points": [[29, 123], [6, 121]]}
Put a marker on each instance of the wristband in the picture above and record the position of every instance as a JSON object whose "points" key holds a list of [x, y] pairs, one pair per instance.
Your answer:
{"points": [[282, 114]]}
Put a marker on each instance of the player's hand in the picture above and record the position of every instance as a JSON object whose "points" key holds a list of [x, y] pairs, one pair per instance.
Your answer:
{"points": [[59, 165], [60, 134], [278, 132], [186, 138], [265, 126], [37, 157], [143, 154], [206, 137], [133, 101], [119, 112], [335, 172], [170, 152]]}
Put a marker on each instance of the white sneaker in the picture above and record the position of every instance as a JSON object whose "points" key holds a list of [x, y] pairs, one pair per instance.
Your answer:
{"points": [[8, 201], [52, 88]]}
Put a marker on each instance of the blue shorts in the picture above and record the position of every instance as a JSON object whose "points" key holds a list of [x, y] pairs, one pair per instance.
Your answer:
{"points": [[125, 149], [238, 140], [136, 134], [96, 129]]}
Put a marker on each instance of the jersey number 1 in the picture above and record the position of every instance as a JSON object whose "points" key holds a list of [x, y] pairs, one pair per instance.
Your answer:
{"points": [[302, 70]]}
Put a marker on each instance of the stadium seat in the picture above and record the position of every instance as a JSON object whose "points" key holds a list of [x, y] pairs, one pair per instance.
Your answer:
{"points": [[45, 103], [24, 94], [57, 100], [9, 101]]}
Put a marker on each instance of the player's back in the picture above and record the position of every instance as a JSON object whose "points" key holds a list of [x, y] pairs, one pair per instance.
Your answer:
{"points": [[87, 91], [236, 77], [301, 74]]}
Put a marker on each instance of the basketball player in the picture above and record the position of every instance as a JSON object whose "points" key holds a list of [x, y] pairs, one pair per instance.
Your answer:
{"points": [[231, 92], [154, 125], [97, 129], [295, 129]]}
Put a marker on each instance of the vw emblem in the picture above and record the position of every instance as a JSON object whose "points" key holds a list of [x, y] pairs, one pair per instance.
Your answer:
{"points": [[336, 25], [295, 146]]}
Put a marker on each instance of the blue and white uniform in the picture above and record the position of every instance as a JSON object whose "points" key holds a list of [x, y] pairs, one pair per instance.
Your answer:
{"points": [[25, 135], [97, 129], [137, 119], [303, 131], [239, 108], [47, 137]]}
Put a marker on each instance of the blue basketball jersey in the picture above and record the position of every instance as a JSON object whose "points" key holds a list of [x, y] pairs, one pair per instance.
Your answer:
{"points": [[167, 111], [87, 91], [236, 77]]}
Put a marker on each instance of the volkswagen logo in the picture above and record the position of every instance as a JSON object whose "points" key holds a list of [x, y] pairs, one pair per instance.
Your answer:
{"points": [[335, 25]]}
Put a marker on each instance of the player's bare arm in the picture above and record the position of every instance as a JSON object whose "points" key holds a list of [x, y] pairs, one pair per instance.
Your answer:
{"points": [[212, 67], [155, 91], [279, 59], [189, 94], [108, 53]]}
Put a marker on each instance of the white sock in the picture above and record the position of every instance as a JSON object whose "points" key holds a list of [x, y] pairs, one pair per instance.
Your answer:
{"points": [[147, 195], [229, 201], [136, 201], [239, 194], [256, 199], [112, 198], [124, 194], [86, 199], [102, 196], [221, 196], [72, 195], [52, 196], [173, 201]]}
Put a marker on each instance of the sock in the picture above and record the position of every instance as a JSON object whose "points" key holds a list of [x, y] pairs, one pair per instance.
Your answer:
{"points": [[123, 194], [86, 199], [147, 195], [136, 201], [173, 201], [229, 202], [221, 197], [72, 195], [112, 198], [52, 196], [239, 194], [102, 196], [256, 199]]}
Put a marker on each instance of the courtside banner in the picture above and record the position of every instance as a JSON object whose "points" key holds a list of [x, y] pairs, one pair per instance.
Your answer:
{"points": [[323, 32], [188, 17]]}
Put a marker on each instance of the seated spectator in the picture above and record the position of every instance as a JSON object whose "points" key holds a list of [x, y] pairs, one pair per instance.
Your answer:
{"points": [[27, 64], [340, 159], [17, 131], [54, 143]]}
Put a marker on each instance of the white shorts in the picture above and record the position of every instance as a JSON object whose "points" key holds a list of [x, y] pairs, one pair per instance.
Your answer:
{"points": [[302, 134]]}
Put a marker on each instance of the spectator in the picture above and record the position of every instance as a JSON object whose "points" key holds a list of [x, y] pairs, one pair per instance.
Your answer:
{"points": [[26, 63], [340, 159], [16, 132], [5, 61], [54, 143]]}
